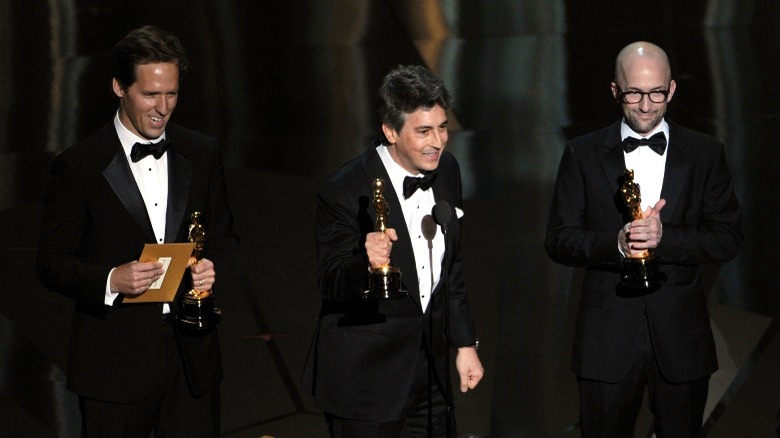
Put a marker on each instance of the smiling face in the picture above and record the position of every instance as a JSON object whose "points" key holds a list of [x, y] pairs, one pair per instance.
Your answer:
{"points": [[147, 104], [643, 69], [417, 147]]}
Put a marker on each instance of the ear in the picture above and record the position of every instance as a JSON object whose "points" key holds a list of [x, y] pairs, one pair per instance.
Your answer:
{"points": [[390, 133], [118, 91], [614, 87], [672, 87]]}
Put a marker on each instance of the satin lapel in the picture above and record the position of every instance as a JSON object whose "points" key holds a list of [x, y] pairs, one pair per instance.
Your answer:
{"points": [[403, 255], [179, 182], [611, 157], [674, 173], [121, 180]]}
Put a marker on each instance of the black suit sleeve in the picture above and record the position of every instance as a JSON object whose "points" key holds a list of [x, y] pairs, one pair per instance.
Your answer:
{"points": [[61, 266], [711, 229], [343, 263], [462, 330], [221, 242], [578, 233]]}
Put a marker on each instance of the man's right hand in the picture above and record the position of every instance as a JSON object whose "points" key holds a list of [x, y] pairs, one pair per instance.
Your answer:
{"points": [[135, 278], [378, 247]]}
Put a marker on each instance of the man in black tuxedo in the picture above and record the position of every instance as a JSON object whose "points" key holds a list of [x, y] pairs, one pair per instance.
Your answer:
{"points": [[660, 339], [378, 367], [133, 369]]}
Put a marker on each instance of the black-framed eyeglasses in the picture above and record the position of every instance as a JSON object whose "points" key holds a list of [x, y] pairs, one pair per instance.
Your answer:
{"points": [[635, 96]]}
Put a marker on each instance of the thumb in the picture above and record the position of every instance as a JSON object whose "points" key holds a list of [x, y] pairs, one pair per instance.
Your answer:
{"points": [[656, 210], [464, 383], [391, 233]]}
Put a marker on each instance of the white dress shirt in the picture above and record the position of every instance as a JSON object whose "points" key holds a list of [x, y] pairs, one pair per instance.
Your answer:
{"points": [[648, 166], [151, 177], [414, 209]]}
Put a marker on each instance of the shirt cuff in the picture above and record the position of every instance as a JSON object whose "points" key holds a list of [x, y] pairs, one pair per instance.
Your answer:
{"points": [[110, 296]]}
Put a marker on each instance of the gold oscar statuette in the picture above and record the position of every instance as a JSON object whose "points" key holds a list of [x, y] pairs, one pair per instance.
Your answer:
{"points": [[640, 271], [197, 310], [384, 282]]}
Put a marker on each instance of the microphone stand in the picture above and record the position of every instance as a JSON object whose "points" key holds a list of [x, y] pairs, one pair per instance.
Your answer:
{"points": [[428, 227], [445, 286], [442, 212]]}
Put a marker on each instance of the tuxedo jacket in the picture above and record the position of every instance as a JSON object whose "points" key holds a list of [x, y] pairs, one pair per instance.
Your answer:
{"points": [[95, 220], [701, 223], [362, 360]]}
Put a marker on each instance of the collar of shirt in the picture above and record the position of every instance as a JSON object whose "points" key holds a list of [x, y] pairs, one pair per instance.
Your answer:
{"points": [[626, 131], [128, 139], [396, 172]]}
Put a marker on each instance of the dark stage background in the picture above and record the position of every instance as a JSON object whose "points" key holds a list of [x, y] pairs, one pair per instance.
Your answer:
{"points": [[287, 87]]}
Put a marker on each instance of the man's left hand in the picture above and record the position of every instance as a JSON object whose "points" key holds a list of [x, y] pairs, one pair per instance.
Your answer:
{"points": [[469, 368], [203, 275], [646, 233]]}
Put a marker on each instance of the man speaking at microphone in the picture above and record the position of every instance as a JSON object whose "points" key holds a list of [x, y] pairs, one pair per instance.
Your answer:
{"points": [[378, 367]]}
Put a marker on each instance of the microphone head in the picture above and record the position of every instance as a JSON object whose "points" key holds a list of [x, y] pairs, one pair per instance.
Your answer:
{"points": [[428, 227], [442, 213]]}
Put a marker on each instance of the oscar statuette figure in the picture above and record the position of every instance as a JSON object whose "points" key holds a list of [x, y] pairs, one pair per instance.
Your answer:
{"points": [[640, 271], [384, 282], [197, 310]]}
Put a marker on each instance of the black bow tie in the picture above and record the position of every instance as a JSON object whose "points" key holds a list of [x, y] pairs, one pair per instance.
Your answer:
{"points": [[657, 143], [141, 150], [412, 183]]}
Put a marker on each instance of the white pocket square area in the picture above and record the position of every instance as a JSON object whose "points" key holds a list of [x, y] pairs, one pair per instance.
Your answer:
{"points": [[459, 212]]}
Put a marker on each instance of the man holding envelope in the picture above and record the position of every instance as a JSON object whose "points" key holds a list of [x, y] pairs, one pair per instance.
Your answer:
{"points": [[137, 181]]}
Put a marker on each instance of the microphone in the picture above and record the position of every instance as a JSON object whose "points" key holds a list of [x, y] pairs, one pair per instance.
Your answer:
{"points": [[442, 213], [428, 229], [429, 232]]}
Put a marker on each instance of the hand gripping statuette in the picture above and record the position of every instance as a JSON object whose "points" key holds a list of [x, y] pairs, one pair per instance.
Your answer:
{"points": [[196, 308], [640, 272], [384, 282]]}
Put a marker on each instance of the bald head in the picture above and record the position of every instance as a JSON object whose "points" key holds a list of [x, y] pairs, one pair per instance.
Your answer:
{"points": [[641, 55], [643, 85]]}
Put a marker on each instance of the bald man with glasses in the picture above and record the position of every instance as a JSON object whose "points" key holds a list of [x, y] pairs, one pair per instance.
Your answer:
{"points": [[658, 338]]}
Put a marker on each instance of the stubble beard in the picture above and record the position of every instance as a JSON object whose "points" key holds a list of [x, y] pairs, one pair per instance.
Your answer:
{"points": [[643, 127]]}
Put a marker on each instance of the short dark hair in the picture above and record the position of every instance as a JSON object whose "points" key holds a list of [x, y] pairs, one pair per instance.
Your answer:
{"points": [[405, 90], [146, 45]]}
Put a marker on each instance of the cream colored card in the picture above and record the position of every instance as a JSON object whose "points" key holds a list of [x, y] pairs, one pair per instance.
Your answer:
{"points": [[174, 257]]}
